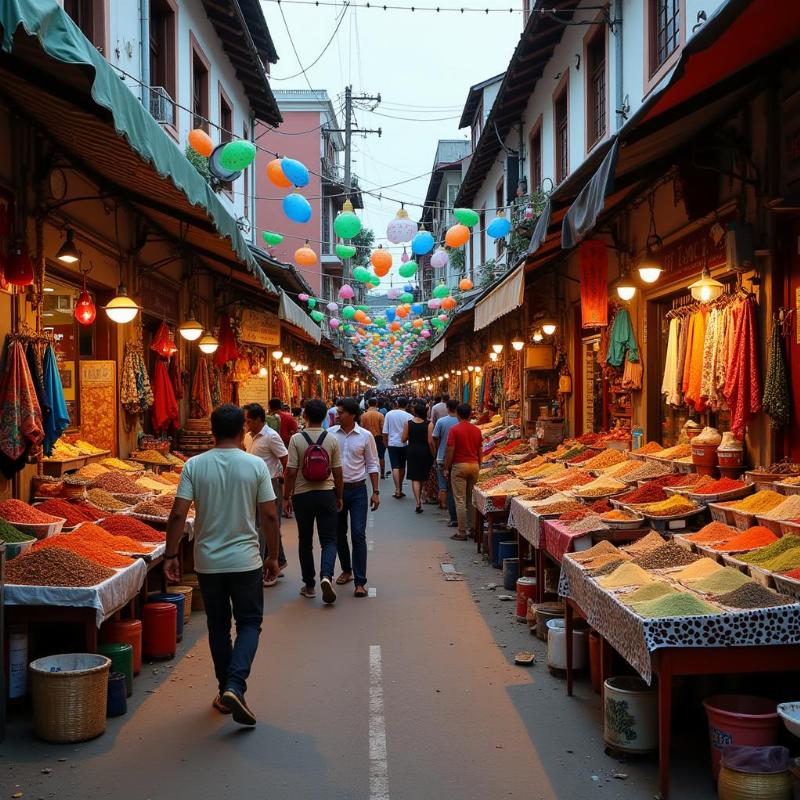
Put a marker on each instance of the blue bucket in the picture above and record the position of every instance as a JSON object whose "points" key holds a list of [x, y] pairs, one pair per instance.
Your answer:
{"points": [[117, 694], [510, 573], [176, 599], [503, 549]]}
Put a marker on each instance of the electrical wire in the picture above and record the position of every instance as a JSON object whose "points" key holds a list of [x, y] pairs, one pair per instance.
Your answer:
{"points": [[297, 55], [412, 119], [438, 9]]}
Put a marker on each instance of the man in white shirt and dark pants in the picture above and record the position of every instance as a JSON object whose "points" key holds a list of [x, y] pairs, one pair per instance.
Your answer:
{"points": [[359, 463], [263, 441], [393, 425]]}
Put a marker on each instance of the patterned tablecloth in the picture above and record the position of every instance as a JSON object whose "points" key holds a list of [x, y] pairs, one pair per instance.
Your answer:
{"points": [[558, 539], [635, 637], [488, 504]]}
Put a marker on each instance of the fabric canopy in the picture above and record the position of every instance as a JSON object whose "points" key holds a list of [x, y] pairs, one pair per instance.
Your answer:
{"points": [[540, 231], [294, 315], [438, 348], [508, 295]]}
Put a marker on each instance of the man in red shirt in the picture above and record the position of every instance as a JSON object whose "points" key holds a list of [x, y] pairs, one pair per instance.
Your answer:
{"points": [[287, 423], [462, 463]]}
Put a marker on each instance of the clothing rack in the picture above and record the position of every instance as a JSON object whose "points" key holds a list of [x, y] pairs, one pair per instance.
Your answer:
{"points": [[687, 305], [26, 335]]}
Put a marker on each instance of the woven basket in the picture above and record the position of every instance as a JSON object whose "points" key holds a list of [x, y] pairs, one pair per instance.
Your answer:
{"points": [[190, 579], [69, 696], [187, 592], [751, 786]]}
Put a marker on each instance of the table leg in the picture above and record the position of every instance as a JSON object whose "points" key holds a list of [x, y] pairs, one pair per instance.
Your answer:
{"points": [[664, 721], [490, 533], [477, 527], [539, 575], [568, 644]]}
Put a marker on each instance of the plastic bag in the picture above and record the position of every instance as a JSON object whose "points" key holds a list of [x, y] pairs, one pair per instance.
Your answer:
{"points": [[758, 760]]}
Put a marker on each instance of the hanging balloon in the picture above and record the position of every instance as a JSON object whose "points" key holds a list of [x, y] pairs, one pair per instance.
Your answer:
{"points": [[407, 326], [347, 292], [436, 322], [381, 261], [332, 307], [465, 284], [406, 297], [417, 308], [395, 326], [390, 314], [200, 142], [312, 303], [361, 274], [297, 208], [441, 291], [466, 216], [345, 251], [359, 316], [303, 297], [348, 329], [347, 225], [425, 333], [348, 312], [457, 235], [402, 312], [271, 238], [334, 323], [295, 172], [439, 259], [275, 174], [304, 256], [363, 308], [381, 322], [238, 154], [404, 258], [418, 323], [408, 270], [449, 303], [443, 317], [499, 227], [422, 243], [401, 229], [408, 288], [317, 316]]}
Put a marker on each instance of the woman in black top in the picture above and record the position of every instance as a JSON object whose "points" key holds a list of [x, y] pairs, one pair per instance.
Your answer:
{"points": [[419, 455]]}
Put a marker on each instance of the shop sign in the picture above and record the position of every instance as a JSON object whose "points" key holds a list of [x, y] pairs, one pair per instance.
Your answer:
{"points": [[255, 390], [260, 327], [688, 255], [159, 299]]}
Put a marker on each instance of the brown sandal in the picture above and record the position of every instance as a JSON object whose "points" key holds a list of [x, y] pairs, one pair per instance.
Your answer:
{"points": [[342, 580], [361, 591], [459, 537]]}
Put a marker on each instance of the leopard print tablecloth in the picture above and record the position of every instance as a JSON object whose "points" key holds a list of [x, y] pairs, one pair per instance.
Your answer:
{"points": [[635, 637], [488, 504]]}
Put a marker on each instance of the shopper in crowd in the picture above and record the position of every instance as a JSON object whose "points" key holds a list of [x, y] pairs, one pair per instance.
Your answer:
{"points": [[462, 462], [331, 414], [486, 417], [359, 465], [287, 424], [393, 425], [372, 420], [313, 490], [227, 487], [418, 454], [384, 405], [439, 408], [439, 435]]}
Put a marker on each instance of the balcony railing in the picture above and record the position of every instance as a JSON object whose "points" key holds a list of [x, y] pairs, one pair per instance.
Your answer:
{"points": [[162, 106]]}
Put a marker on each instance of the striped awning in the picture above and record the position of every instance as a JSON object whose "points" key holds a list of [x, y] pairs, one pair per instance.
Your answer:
{"points": [[508, 295]]}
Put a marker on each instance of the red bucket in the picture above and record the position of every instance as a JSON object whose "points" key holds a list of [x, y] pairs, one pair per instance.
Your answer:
{"points": [[526, 590], [125, 631], [160, 630]]}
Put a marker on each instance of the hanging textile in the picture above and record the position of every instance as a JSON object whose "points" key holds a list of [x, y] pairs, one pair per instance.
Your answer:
{"points": [[33, 355], [277, 385], [136, 394], [777, 400], [669, 384], [511, 381], [743, 382], [693, 368], [683, 341], [633, 374], [216, 387], [622, 340], [227, 350], [57, 421], [465, 398], [163, 343], [164, 414], [21, 424], [175, 376], [201, 403], [594, 284]]}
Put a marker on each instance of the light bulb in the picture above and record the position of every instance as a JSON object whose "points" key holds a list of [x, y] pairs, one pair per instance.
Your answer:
{"points": [[493, 356], [517, 343], [277, 354], [262, 372], [498, 348], [68, 252], [650, 274], [538, 336], [626, 291], [208, 344], [286, 359], [191, 330], [121, 309]]}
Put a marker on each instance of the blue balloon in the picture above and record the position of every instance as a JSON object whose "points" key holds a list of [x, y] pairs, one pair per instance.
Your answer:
{"points": [[297, 208], [408, 288], [422, 243], [390, 314], [499, 227], [417, 308], [295, 171]]}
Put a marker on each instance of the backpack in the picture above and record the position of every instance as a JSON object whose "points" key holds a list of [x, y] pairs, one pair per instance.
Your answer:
{"points": [[316, 461]]}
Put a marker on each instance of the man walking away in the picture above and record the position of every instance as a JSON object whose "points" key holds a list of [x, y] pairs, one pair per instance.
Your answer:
{"points": [[440, 432], [359, 462], [265, 443], [439, 409], [462, 463], [287, 424], [393, 425], [227, 485], [314, 480], [372, 421]]}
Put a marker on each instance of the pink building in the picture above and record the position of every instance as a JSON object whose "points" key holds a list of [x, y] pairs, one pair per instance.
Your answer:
{"points": [[309, 133]]}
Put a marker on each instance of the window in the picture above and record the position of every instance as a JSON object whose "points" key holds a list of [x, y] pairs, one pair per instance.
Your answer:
{"points": [[665, 31], [162, 62], [499, 244], [561, 120], [596, 100], [89, 16], [477, 126], [225, 130], [535, 152], [199, 91]]}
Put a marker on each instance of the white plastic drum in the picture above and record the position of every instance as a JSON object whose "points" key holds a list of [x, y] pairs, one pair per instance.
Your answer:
{"points": [[630, 718], [557, 649]]}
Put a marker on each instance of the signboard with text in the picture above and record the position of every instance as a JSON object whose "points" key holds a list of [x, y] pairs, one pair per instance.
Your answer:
{"points": [[260, 327]]}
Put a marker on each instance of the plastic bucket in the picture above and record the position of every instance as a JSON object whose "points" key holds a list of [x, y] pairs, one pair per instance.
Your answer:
{"points": [[503, 550], [630, 720], [159, 630], [121, 655], [510, 573], [125, 630], [171, 597], [17, 663], [595, 654], [544, 613], [526, 590], [117, 704], [557, 645], [739, 719]]}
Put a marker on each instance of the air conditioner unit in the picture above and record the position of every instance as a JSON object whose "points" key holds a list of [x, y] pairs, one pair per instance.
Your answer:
{"points": [[162, 106]]}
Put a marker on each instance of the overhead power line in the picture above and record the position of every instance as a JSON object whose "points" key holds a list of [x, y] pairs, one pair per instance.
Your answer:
{"points": [[377, 6]]}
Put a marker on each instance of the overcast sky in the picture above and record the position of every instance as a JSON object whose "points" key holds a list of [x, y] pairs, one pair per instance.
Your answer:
{"points": [[421, 63]]}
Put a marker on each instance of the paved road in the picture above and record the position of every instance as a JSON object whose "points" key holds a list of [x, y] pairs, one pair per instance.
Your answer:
{"points": [[404, 695]]}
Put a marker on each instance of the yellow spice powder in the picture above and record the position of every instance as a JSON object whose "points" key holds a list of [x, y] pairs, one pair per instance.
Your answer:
{"points": [[625, 575]]}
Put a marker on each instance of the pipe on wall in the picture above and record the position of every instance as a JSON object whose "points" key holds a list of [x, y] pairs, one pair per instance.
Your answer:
{"points": [[144, 50]]}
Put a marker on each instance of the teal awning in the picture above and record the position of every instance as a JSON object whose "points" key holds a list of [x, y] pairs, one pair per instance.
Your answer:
{"points": [[53, 76]]}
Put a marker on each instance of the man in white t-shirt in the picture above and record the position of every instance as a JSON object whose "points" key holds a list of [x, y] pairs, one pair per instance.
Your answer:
{"points": [[227, 485], [393, 425]]}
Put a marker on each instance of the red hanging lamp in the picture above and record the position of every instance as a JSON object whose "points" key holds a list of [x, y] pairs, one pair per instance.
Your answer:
{"points": [[85, 309]]}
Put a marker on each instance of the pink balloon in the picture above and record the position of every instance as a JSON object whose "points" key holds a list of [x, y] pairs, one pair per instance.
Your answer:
{"points": [[425, 333], [334, 323], [405, 258], [347, 292], [439, 259], [434, 303], [443, 317], [302, 297]]}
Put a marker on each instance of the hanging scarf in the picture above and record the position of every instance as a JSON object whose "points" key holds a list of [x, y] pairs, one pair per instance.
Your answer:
{"points": [[201, 391], [57, 421], [227, 350], [777, 400], [594, 283], [175, 376], [33, 355], [163, 343], [743, 382], [136, 394], [164, 414]]}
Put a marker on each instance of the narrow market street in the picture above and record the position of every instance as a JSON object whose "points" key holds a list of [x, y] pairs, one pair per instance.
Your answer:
{"points": [[460, 720]]}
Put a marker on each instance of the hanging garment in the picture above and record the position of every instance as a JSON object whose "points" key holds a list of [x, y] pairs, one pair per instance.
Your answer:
{"points": [[227, 350], [175, 376], [136, 394], [633, 374], [216, 387], [693, 367], [594, 283], [277, 385], [622, 340], [33, 355], [707, 389], [21, 424], [201, 402], [164, 415], [777, 399], [683, 338], [743, 382], [57, 421], [465, 396], [163, 343], [669, 384]]}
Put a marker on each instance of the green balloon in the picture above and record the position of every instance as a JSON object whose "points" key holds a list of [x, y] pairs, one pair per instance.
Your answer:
{"points": [[272, 238], [347, 225], [348, 312], [237, 155], [436, 322], [345, 251], [317, 316], [466, 216], [407, 297], [348, 328], [361, 274], [408, 269], [363, 308], [381, 322], [312, 303], [407, 326], [441, 291]]}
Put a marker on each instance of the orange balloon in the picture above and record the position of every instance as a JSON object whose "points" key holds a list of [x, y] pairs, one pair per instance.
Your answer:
{"points": [[359, 316], [395, 326], [392, 339], [457, 235], [401, 311], [381, 270], [305, 256], [418, 323], [465, 284], [367, 321], [276, 176], [201, 142], [449, 303], [382, 261]]}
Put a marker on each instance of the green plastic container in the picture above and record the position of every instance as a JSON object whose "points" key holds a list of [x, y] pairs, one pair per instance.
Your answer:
{"points": [[121, 655]]}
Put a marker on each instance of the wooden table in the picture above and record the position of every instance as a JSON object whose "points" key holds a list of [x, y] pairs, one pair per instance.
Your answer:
{"points": [[494, 510]]}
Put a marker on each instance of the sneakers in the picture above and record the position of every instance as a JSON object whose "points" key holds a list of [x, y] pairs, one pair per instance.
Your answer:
{"points": [[308, 591], [270, 579], [234, 702], [220, 706], [328, 592]]}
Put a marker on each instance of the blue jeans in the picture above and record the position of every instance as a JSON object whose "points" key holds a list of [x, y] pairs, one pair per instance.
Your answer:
{"points": [[448, 487], [317, 506], [356, 503], [242, 591]]}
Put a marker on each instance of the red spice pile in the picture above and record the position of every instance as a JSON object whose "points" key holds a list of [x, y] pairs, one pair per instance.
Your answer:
{"points": [[757, 536], [90, 509], [132, 528], [648, 493], [69, 511], [720, 486], [713, 532], [584, 456], [673, 479], [17, 511], [94, 551], [795, 573], [579, 513], [600, 507]]}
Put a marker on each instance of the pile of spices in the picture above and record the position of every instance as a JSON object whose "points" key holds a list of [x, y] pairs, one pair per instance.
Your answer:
{"points": [[55, 567], [649, 449], [17, 511], [649, 493], [622, 469], [777, 548], [559, 507], [589, 438], [132, 528], [671, 507], [618, 515], [712, 533], [536, 493], [575, 478], [651, 591], [94, 551], [584, 456], [725, 580], [780, 468], [74, 515], [600, 506], [666, 556], [788, 509], [673, 479], [122, 544], [150, 456], [757, 536], [173, 478], [601, 487], [578, 513], [117, 483], [152, 485], [150, 509], [91, 471], [600, 549], [783, 563], [165, 501], [122, 466], [678, 451], [759, 503], [9, 534], [645, 472], [88, 447], [693, 480], [794, 574], [721, 486], [604, 567], [754, 595], [679, 604], [699, 570], [105, 500], [572, 452], [628, 574], [646, 544], [93, 512], [587, 524], [606, 459]]}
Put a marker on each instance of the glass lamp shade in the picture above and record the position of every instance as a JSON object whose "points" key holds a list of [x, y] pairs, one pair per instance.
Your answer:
{"points": [[538, 336], [517, 344], [208, 344], [85, 309], [68, 252], [286, 359], [277, 354], [498, 348], [121, 309], [549, 326], [706, 289], [493, 356], [650, 273], [470, 368], [626, 289], [191, 330]]}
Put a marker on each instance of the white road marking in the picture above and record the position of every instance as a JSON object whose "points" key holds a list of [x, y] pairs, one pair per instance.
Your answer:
{"points": [[378, 761], [372, 592]]}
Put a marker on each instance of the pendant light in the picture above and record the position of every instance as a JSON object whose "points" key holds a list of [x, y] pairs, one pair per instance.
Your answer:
{"points": [[208, 343], [277, 354], [121, 309], [518, 343], [625, 286], [549, 326], [650, 268], [538, 336], [706, 289], [68, 252], [498, 348], [85, 310], [191, 329]]}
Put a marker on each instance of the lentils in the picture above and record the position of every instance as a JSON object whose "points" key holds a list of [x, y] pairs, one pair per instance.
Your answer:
{"points": [[666, 556], [55, 566], [105, 500], [753, 595], [117, 483]]}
